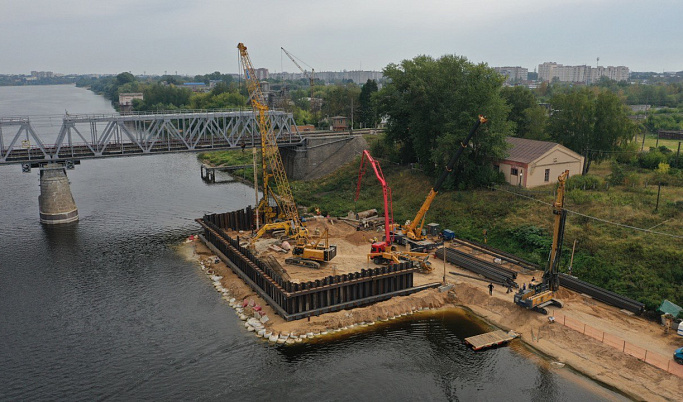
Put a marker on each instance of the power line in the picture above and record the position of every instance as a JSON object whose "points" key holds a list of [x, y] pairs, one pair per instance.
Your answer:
{"points": [[595, 218]]}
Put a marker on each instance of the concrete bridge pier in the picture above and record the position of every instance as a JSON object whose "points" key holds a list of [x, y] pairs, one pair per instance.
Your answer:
{"points": [[321, 156], [56, 204]]}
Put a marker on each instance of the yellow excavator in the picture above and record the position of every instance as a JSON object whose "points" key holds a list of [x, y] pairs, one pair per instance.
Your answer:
{"points": [[311, 254], [540, 295], [413, 230]]}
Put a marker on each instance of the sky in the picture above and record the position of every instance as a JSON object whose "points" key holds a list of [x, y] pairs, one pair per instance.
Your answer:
{"points": [[200, 36]]}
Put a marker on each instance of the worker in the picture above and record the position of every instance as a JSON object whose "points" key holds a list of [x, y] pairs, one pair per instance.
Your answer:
{"points": [[491, 289], [533, 279], [509, 289], [523, 286]]}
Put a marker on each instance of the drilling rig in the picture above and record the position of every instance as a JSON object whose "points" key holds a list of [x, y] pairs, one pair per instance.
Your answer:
{"points": [[540, 295]]}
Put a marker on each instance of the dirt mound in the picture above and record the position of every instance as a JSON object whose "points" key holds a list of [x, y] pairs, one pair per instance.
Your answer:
{"points": [[360, 238]]}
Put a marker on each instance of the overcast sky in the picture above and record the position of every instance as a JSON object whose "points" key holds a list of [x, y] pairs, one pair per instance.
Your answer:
{"points": [[201, 36]]}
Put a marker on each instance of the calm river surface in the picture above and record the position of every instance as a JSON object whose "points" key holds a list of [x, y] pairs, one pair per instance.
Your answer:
{"points": [[106, 309]]}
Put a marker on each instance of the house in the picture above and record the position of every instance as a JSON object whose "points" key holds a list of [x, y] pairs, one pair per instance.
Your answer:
{"points": [[532, 163], [339, 123], [126, 101]]}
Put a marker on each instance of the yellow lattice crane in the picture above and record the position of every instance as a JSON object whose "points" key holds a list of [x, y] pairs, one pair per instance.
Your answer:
{"points": [[271, 159]]}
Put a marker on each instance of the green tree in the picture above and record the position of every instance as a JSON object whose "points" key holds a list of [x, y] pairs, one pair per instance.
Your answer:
{"points": [[590, 121], [528, 117], [536, 120], [431, 106], [124, 78], [519, 98], [337, 99], [367, 108]]}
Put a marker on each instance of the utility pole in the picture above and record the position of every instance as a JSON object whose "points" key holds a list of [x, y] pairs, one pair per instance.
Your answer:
{"points": [[659, 191], [253, 154]]}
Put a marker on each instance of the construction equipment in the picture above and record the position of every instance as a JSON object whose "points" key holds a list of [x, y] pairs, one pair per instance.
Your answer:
{"points": [[382, 252], [311, 254], [271, 159], [541, 294], [413, 230], [311, 76]]}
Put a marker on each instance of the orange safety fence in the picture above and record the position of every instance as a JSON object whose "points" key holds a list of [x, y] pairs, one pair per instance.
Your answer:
{"points": [[635, 351], [653, 358]]}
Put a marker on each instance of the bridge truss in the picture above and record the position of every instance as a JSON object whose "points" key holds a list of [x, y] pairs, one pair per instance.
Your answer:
{"points": [[99, 136]]}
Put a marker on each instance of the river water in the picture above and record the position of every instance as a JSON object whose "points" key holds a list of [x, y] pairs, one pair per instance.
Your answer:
{"points": [[106, 308]]}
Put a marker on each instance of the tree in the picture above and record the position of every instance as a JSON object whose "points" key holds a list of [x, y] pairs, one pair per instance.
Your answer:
{"points": [[520, 99], [590, 121], [124, 78], [431, 106], [368, 110]]}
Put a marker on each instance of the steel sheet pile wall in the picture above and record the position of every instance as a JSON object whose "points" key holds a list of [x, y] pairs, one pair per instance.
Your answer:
{"points": [[495, 273], [601, 294], [242, 219], [299, 300]]}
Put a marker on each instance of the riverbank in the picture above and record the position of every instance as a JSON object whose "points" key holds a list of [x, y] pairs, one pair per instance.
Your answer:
{"points": [[596, 360]]}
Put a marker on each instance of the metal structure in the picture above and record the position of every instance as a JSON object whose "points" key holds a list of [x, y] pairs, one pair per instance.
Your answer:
{"points": [[294, 300], [540, 295], [378, 247], [99, 136], [311, 76], [270, 152]]}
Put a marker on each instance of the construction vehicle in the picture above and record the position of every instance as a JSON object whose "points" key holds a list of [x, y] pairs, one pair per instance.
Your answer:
{"points": [[311, 254], [271, 160], [383, 252], [412, 232], [311, 76], [291, 223], [541, 294]]}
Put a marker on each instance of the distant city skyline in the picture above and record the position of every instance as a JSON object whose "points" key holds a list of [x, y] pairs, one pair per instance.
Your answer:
{"points": [[190, 38]]}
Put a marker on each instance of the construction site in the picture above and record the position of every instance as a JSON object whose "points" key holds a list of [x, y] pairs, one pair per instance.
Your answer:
{"points": [[295, 277]]}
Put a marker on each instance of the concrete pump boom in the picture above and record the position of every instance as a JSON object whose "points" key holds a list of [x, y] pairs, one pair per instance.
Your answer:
{"points": [[386, 190]]}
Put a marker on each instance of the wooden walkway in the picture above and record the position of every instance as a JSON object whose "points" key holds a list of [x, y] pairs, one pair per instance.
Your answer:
{"points": [[490, 339]]}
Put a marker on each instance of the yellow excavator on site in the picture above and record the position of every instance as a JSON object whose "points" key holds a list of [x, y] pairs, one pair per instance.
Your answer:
{"points": [[290, 223], [413, 230], [541, 294]]}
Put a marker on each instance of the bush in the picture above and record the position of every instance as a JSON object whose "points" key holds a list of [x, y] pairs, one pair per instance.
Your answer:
{"points": [[587, 182], [616, 178], [651, 159], [628, 154], [578, 196]]}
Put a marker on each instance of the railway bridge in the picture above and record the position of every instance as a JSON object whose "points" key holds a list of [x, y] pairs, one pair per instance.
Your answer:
{"points": [[84, 137]]}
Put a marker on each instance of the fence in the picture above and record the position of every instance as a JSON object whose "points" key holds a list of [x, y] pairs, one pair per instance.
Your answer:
{"points": [[653, 358]]}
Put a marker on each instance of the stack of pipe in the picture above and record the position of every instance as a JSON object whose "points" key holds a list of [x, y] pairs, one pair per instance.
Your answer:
{"points": [[603, 295], [493, 272], [511, 258]]}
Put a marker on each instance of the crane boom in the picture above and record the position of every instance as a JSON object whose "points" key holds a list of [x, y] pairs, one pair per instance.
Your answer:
{"points": [[269, 149], [412, 230], [386, 191], [311, 76]]}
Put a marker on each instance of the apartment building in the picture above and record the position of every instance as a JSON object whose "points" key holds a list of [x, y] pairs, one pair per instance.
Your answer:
{"points": [[513, 74], [584, 74]]}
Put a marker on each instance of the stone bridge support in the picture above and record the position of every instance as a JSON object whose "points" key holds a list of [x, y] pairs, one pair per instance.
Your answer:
{"points": [[320, 156], [56, 204]]}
